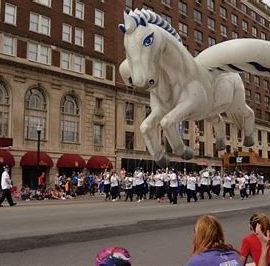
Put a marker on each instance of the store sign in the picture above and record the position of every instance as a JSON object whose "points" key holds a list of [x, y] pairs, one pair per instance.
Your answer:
{"points": [[239, 159]]}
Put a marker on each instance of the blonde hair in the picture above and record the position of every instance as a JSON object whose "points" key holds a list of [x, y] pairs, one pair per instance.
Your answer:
{"points": [[208, 235], [262, 219]]}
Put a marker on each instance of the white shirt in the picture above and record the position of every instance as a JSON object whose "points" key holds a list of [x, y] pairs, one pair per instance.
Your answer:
{"points": [[6, 181], [151, 180], [205, 181], [107, 179], [253, 179], [216, 180], [227, 182], [128, 182], [139, 178], [114, 180], [191, 182], [80, 182], [242, 182], [159, 180], [260, 180], [173, 180]]}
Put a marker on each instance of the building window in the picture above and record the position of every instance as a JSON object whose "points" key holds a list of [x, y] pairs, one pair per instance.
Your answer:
{"points": [[211, 24], [201, 149], [67, 33], [98, 69], [244, 8], [79, 37], [262, 21], [223, 12], [215, 152], [198, 36], [266, 84], [259, 136], [166, 2], [35, 113], [67, 7], [253, 14], [211, 5], [4, 111], [234, 19], [98, 135], [211, 41], [129, 5], [183, 29], [73, 62], [10, 14], [266, 100], [254, 31], [257, 97], [44, 2], [235, 35], [40, 24], [129, 137], [197, 16], [257, 81], [9, 45], [267, 118], [183, 8], [99, 43], [201, 127], [167, 18], [223, 30], [39, 53], [234, 2], [248, 94], [244, 25], [263, 36], [247, 77], [99, 18], [239, 135], [258, 113], [79, 10], [70, 119], [129, 113], [228, 131]]}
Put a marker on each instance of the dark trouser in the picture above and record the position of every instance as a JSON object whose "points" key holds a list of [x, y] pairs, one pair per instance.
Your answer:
{"points": [[160, 192], [152, 191], [227, 190], [114, 192], [252, 188], [129, 194], [233, 187], [191, 194], [6, 194], [139, 191], [243, 193], [205, 188], [172, 195], [216, 189], [182, 190], [107, 190], [260, 187]]}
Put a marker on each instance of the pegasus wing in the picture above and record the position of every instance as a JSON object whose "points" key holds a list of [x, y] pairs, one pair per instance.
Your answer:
{"points": [[238, 55]]}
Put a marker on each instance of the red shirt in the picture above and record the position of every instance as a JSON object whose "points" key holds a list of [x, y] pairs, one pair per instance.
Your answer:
{"points": [[251, 246], [42, 180]]}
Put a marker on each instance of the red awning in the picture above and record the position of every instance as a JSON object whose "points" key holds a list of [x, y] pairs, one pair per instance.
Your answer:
{"points": [[99, 162], [71, 161], [30, 159], [6, 158]]}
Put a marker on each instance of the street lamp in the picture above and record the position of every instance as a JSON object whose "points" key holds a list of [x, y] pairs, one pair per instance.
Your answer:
{"points": [[38, 146]]}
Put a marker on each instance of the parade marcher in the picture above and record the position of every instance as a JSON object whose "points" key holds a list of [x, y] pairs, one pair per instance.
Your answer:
{"points": [[57, 181], [42, 182], [227, 186], [247, 180], [129, 186], [159, 185], [216, 183], [166, 185], [252, 183], [205, 184], [233, 183], [6, 185], [242, 186], [260, 183], [172, 195], [191, 188], [80, 184], [152, 187], [107, 184], [139, 180], [114, 186]]}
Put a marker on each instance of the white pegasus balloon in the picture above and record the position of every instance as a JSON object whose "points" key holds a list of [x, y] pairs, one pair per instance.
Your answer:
{"points": [[186, 88]]}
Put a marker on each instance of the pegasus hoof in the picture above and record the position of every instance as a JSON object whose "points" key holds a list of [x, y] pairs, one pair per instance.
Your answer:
{"points": [[220, 145], [163, 162], [187, 154], [248, 141]]}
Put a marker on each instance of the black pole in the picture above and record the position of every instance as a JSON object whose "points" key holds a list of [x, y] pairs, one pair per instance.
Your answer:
{"points": [[38, 149]]}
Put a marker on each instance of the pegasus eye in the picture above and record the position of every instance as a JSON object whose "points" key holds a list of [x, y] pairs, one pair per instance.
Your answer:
{"points": [[148, 40]]}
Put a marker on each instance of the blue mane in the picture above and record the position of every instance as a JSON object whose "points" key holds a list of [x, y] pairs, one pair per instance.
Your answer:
{"points": [[147, 16]]}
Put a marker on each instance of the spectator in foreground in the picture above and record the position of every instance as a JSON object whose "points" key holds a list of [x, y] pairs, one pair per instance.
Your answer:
{"points": [[265, 243], [251, 245], [113, 256], [209, 247]]}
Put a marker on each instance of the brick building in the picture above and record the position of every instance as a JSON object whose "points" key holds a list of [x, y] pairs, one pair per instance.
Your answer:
{"points": [[59, 72]]}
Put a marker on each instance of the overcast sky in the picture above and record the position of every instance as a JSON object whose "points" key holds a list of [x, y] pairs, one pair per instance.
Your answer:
{"points": [[267, 2]]}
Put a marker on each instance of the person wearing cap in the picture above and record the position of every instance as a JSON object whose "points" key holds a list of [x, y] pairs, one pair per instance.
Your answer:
{"points": [[6, 185]]}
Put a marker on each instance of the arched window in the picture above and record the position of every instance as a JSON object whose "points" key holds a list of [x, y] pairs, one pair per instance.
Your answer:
{"points": [[35, 113], [4, 110], [70, 119]]}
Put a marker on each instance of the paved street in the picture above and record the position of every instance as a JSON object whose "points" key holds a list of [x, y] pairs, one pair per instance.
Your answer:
{"points": [[71, 232]]}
